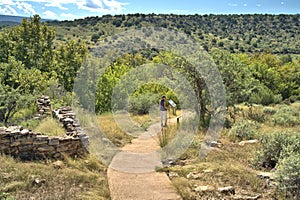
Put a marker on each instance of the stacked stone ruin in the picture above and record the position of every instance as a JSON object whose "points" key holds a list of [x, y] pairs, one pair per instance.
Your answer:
{"points": [[44, 107], [71, 124], [29, 145]]}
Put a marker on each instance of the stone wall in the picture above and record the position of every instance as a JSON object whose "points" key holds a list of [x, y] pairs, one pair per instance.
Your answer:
{"points": [[43, 107], [28, 145]]}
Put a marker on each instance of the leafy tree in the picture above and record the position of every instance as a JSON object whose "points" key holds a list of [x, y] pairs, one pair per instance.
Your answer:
{"points": [[31, 43], [69, 59]]}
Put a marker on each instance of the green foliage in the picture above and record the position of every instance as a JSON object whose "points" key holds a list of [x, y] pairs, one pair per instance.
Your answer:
{"points": [[263, 95], [272, 146], [31, 43], [6, 196], [286, 116], [11, 100], [69, 59], [269, 110], [111, 77], [238, 33], [243, 130], [288, 175], [288, 167], [142, 103], [255, 113], [30, 65], [236, 76]]}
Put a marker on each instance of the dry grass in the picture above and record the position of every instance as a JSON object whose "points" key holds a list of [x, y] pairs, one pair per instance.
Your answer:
{"points": [[50, 127], [121, 134], [228, 165], [112, 131], [166, 135], [72, 179]]}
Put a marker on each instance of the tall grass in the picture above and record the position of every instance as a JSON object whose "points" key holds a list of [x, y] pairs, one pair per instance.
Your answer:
{"points": [[167, 134], [50, 127], [112, 131]]}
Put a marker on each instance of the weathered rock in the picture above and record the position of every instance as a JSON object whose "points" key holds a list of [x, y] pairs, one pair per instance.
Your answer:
{"points": [[27, 144], [240, 197], [173, 175], [58, 164], [192, 175], [45, 148], [242, 143], [205, 188], [38, 182], [208, 171], [53, 141], [266, 175], [227, 190], [25, 132]]}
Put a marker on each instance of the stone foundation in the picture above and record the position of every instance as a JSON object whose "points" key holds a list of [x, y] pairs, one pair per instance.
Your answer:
{"points": [[28, 145]]}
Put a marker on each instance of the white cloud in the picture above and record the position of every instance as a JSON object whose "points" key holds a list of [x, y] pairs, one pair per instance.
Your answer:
{"points": [[245, 5], [26, 8], [49, 15], [258, 5], [57, 4], [107, 6], [282, 3], [8, 2], [8, 10]]}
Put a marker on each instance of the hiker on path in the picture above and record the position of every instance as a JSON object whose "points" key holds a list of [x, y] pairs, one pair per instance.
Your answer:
{"points": [[163, 111]]}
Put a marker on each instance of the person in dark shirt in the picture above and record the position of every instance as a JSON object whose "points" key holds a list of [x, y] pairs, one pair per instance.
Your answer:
{"points": [[163, 111]]}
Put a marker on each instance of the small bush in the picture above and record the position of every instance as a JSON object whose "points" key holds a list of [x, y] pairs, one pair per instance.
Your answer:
{"points": [[142, 103], [263, 95], [271, 148], [269, 110], [243, 130], [256, 114], [288, 175], [286, 116]]}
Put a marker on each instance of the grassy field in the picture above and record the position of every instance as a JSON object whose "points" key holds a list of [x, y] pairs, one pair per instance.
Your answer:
{"points": [[229, 164], [71, 179]]}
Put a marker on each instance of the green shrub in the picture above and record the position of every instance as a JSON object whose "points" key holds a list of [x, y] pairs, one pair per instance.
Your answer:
{"points": [[269, 110], [292, 147], [141, 104], [288, 175], [263, 95], [286, 116], [272, 146], [243, 130], [255, 113]]}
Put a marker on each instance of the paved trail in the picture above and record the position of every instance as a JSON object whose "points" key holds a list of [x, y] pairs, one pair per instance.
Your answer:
{"points": [[132, 175]]}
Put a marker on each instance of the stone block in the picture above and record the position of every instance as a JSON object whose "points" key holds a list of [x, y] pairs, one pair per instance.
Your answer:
{"points": [[53, 141], [45, 148], [15, 144]]}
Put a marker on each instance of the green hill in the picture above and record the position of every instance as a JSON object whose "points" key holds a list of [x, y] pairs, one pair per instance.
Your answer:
{"points": [[250, 33]]}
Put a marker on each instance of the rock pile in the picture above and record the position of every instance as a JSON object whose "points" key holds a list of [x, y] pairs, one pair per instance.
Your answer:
{"points": [[44, 107], [72, 126], [28, 145]]}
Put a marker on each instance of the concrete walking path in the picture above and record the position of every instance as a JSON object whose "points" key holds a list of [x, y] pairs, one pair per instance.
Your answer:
{"points": [[132, 175]]}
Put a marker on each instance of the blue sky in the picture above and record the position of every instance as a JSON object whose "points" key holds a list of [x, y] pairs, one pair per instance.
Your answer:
{"points": [[74, 9]]}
